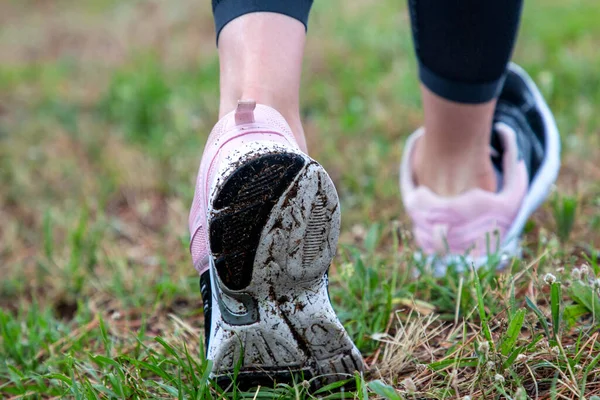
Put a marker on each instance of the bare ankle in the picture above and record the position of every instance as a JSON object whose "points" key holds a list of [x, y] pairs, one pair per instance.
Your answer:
{"points": [[452, 174], [452, 156], [261, 58]]}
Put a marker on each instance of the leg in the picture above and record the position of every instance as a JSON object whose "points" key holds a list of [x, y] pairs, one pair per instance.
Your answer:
{"points": [[265, 219], [488, 153], [267, 70], [457, 136], [463, 49]]}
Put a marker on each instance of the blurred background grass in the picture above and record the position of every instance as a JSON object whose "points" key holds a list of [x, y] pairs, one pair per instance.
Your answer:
{"points": [[105, 105]]}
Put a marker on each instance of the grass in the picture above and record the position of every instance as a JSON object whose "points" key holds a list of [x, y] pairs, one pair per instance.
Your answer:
{"points": [[104, 108]]}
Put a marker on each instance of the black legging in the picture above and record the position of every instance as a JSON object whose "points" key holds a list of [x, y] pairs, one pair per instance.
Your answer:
{"points": [[463, 46]]}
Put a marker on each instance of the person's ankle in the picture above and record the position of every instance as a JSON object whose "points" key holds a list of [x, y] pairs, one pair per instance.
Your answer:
{"points": [[450, 175]]}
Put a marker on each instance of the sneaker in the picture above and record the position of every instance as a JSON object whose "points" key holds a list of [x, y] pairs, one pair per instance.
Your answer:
{"points": [[264, 227], [479, 227]]}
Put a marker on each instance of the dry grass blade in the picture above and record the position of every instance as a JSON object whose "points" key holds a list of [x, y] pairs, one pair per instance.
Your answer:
{"points": [[411, 345]]}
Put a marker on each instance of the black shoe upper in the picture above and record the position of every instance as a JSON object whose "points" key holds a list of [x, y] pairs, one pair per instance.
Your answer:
{"points": [[206, 290], [517, 107]]}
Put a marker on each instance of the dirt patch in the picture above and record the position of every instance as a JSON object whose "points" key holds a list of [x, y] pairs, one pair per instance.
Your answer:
{"points": [[178, 30]]}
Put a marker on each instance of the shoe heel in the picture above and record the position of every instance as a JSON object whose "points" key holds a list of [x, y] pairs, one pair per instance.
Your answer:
{"points": [[273, 234]]}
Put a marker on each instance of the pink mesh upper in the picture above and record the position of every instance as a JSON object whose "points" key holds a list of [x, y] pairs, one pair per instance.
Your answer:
{"points": [[474, 222], [226, 136]]}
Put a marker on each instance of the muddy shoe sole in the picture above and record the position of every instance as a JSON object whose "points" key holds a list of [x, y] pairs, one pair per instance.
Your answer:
{"points": [[273, 230]]}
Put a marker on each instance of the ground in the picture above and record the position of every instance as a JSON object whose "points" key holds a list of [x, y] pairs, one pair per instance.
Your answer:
{"points": [[104, 108]]}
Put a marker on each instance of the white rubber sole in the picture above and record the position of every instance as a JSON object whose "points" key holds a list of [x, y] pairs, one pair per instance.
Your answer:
{"points": [[275, 322]]}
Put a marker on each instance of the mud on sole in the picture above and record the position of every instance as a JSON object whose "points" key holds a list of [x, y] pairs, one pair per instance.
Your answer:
{"points": [[273, 228]]}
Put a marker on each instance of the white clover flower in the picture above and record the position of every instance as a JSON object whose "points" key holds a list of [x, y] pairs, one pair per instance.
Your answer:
{"points": [[359, 232], [346, 271], [484, 347], [522, 358], [490, 365], [549, 279], [409, 384], [576, 274], [584, 269], [499, 378]]}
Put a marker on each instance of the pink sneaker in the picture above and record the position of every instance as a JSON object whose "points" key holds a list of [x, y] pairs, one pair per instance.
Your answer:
{"points": [[479, 227], [264, 227]]}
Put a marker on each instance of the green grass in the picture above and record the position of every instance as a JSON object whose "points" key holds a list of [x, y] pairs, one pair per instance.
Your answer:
{"points": [[104, 109]]}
